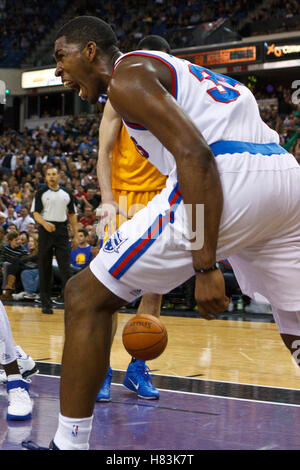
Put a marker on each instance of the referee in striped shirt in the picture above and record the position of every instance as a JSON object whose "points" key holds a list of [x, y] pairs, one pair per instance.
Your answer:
{"points": [[51, 206]]}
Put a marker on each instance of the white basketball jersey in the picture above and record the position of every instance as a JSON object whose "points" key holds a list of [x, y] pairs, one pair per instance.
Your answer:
{"points": [[223, 109]]}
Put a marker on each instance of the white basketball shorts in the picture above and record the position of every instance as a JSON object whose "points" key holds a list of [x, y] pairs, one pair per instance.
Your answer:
{"points": [[259, 233]]}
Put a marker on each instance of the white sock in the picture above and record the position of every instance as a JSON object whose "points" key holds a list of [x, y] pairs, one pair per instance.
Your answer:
{"points": [[12, 377], [73, 433]]}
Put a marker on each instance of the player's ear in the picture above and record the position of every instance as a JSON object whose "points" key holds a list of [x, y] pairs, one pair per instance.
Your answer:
{"points": [[90, 51]]}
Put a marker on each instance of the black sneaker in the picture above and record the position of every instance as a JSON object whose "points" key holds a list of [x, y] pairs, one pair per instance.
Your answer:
{"points": [[30, 445], [47, 309], [58, 301]]}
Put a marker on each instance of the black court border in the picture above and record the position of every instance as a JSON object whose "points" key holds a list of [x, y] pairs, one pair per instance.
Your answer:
{"points": [[202, 386]]}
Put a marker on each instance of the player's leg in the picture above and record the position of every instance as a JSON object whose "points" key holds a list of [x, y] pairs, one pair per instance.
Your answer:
{"points": [[137, 371], [292, 342], [62, 254], [25, 366], [150, 304], [137, 377], [119, 248], [90, 304], [104, 392], [20, 405], [45, 255], [89, 307], [288, 324]]}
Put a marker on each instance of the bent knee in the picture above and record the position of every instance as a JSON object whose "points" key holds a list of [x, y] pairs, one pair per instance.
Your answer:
{"points": [[84, 294]]}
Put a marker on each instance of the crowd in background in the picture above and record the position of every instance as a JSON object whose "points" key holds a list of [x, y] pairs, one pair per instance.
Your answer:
{"points": [[24, 158], [280, 109], [168, 18], [285, 17], [22, 27], [72, 148], [72, 145]]}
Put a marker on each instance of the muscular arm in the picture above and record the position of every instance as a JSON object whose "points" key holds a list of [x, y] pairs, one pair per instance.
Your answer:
{"points": [[108, 132], [139, 93]]}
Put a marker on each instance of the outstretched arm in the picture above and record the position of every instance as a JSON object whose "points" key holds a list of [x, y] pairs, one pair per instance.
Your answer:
{"points": [[109, 130]]}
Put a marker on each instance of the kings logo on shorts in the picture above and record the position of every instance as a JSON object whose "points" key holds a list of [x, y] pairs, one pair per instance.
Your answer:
{"points": [[114, 242]]}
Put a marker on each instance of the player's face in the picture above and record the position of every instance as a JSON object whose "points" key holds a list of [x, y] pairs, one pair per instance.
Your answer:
{"points": [[77, 69]]}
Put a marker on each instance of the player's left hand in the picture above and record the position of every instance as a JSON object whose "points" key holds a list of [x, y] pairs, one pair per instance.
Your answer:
{"points": [[210, 294]]}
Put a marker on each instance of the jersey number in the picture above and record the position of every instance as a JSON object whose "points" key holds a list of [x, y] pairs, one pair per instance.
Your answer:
{"points": [[142, 151], [223, 89]]}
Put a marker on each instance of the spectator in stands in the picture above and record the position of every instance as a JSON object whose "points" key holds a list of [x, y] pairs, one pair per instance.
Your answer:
{"points": [[24, 219], [2, 235], [10, 252], [2, 219], [18, 265], [24, 240], [82, 255], [88, 217], [93, 199], [12, 228], [29, 272], [32, 229], [11, 215]]}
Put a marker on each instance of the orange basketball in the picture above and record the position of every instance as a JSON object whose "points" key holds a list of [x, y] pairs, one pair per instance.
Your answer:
{"points": [[145, 337]]}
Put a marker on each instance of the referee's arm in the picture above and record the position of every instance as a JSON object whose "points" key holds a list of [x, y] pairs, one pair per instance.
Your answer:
{"points": [[36, 208]]}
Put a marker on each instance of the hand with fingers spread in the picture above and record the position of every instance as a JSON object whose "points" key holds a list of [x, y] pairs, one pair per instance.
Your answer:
{"points": [[210, 294], [107, 214]]}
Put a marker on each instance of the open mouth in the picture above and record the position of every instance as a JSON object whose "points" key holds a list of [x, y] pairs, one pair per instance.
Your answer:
{"points": [[81, 92]]}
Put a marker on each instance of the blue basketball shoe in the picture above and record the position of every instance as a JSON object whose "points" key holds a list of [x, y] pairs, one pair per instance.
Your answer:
{"points": [[104, 393], [138, 380]]}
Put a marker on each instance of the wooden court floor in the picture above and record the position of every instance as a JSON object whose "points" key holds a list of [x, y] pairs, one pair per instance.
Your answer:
{"points": [[220, 350]]}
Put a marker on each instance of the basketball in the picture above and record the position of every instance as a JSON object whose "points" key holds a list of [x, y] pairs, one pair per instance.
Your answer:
{"points": [[145, 337]]}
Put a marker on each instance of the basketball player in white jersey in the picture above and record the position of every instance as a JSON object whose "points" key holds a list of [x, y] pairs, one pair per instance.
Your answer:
{"points": [[204, 131]]}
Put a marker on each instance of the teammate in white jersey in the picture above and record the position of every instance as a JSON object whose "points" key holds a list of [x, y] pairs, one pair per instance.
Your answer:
{"points": [[203, 130]]}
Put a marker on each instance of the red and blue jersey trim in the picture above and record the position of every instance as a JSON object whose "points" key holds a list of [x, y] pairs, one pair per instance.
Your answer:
{"points": [[135, 126], [174, 90], [137, 249]]}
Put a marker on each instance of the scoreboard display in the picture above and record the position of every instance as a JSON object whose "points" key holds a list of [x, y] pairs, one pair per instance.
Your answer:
{"points": [[228, 56]]}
